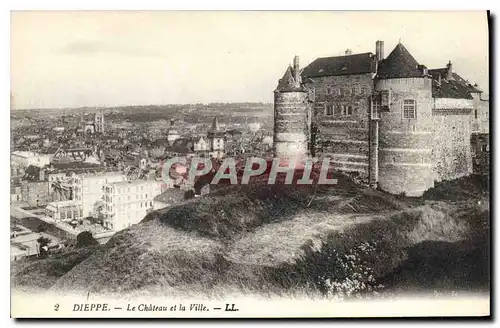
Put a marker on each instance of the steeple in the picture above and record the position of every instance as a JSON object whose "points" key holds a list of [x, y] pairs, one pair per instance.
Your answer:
{"points": [[215, 125]]}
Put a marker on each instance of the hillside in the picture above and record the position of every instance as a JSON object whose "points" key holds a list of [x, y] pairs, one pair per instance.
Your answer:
{"points": [[333, 241]]}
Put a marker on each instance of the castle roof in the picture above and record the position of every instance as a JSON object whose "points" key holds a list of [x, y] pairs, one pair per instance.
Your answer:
{"points": [[340, 65], [457, 87], [288, 83], [399, 64]]}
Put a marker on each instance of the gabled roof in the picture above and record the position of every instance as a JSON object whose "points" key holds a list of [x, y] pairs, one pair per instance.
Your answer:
{"points": [[399, 64], [457, 87], [288, 83], [340, 65]]}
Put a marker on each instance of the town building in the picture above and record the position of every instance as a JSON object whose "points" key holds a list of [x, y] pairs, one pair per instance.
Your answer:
{"points": [[127, 202], [390, 120], [95, 126], [201, 144], [35, 193], [88, 188], [66, 210], [26, 158]]}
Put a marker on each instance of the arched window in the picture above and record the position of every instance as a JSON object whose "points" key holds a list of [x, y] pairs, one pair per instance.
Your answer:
{"points": [[409, 108]]}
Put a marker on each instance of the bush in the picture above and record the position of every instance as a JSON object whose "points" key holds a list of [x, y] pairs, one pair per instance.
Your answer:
{"points": [[85, 239]]}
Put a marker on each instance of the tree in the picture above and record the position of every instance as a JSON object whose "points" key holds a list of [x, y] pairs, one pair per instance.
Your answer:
{"points": [[85, 238], [43, 245]]}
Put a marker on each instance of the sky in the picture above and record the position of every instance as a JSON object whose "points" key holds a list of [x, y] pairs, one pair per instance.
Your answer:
{"points": [[91, 58]]}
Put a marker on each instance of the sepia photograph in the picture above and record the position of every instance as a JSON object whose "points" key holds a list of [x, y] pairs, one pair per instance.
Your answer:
{"points": [[250, 164]]}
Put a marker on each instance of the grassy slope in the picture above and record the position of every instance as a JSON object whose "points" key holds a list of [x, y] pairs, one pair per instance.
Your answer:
{"points": [[272, 240]]}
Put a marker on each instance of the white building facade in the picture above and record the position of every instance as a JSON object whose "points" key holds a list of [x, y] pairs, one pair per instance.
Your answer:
{"points": [[88, 188], [127, 202]]}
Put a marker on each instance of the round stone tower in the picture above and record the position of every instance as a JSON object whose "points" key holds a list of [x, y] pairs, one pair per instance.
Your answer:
{"points": [[404, 91], [290, 115]]}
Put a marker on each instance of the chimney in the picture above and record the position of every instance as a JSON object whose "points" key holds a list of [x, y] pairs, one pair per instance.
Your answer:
{"points": [[449, 75], [379, 50], [296, 68], [348, 52]]}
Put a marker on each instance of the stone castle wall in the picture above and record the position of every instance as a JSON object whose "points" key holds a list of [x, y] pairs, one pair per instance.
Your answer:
{"points": [[343, 138], [451, 152], [405, 145]]}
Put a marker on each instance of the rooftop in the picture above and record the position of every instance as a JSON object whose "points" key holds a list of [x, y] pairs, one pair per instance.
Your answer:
{"points": [[399, 64], [340, 65], [288, 82], [133, 183], [457, 87]]}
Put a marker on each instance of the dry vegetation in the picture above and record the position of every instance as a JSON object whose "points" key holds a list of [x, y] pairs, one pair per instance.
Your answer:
{"points": [[335, 242]]}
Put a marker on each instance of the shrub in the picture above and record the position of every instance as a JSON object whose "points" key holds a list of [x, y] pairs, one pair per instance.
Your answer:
{"points": [[85, 239]]}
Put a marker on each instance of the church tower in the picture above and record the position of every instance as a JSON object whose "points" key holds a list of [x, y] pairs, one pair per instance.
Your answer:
{"points": [[99, 122], [216, 139]]}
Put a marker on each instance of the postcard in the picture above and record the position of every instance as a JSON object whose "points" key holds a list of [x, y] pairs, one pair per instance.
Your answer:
{"points": [[249, 164]]}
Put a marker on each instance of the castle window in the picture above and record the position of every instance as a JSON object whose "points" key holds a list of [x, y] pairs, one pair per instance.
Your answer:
{"points": [[346, 110], [409, 109], [329, 109], [376, 107], [475, 114]]}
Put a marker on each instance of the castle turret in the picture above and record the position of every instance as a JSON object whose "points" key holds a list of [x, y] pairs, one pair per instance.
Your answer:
{"points": [[405, 131], [290, 115]]}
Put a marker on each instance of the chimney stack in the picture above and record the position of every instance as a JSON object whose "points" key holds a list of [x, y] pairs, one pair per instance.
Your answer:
{"points": [[379, 50], [449, 75], [296, 68], [348, 52]]}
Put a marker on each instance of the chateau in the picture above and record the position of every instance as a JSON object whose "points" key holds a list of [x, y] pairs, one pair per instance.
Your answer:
{"points": [[392, 120]]}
